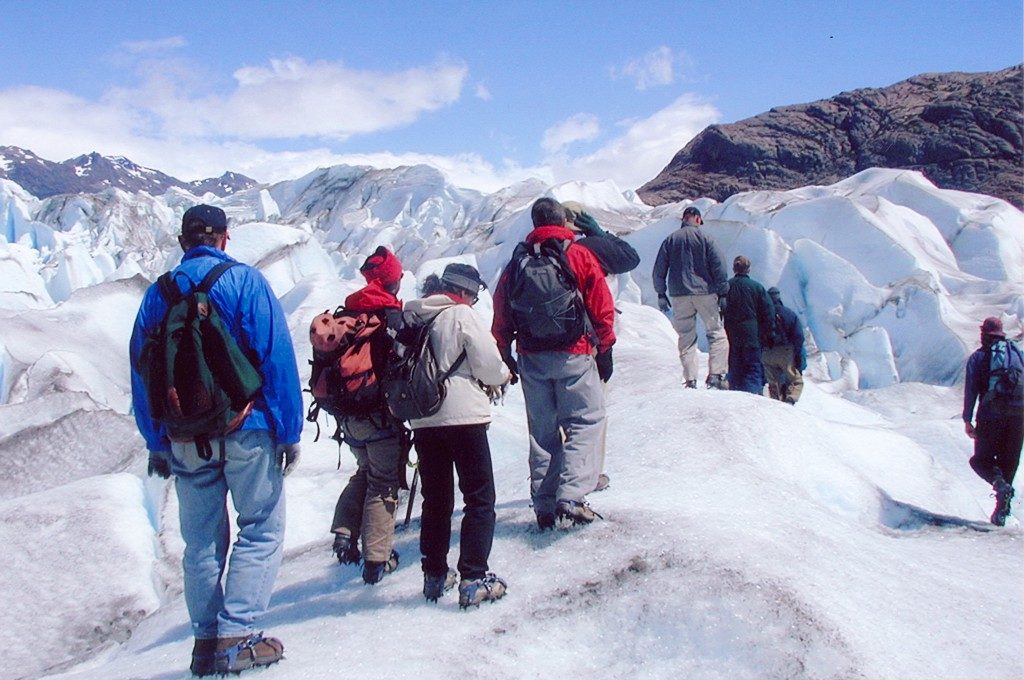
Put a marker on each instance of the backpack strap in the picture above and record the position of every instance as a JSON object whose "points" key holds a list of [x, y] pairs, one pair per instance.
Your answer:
{"points": [[211, 277]]}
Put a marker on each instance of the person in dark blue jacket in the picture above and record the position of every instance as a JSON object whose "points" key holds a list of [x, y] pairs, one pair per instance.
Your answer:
{"points": [[784, 358], [998, 432], [749, 323], [225, 607]]}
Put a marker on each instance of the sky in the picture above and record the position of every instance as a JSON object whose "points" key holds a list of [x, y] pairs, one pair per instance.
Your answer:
{"points": [[489, 92]]}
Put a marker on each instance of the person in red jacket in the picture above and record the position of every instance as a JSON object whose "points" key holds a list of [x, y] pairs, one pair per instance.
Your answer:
{"points": [[562, 384], [367, 504]]}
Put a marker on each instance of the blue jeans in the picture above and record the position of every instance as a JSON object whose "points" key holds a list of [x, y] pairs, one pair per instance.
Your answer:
{"points": [[219, 605], [746, 372]]}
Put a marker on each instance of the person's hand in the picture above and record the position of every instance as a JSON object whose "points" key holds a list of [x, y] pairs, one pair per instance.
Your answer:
{"points": [[494, 393], [604, 364], [969, 429], [288, 457], [159, 465], [800, 361], [663, 303], [513, 367], [586, 223]]}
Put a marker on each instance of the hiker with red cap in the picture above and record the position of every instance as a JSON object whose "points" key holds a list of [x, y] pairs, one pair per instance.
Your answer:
{"points": [[994, 380], [366, 507]]}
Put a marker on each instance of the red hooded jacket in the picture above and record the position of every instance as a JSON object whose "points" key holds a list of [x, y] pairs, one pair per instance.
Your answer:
{"points": [[596, 296], [372, 297]]}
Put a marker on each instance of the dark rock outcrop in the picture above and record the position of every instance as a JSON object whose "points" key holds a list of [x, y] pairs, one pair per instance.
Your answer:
{"points": [[92, 173], [962, 130]]}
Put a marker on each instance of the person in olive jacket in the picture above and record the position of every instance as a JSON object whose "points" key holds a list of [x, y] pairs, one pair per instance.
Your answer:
{"points": [[749, 320]]}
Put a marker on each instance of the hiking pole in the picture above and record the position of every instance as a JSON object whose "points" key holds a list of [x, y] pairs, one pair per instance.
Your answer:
{"points": [[412, 494]]}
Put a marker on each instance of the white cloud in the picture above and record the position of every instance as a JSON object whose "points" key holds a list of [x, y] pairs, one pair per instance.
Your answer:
{"points": [[644, 149], [482, 92], [580, 127], [293, 98], [152, 46], [651, 70]]}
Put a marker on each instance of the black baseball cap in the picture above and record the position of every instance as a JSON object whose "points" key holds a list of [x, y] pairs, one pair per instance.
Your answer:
{"points": [[203, 219], [691, 211]]}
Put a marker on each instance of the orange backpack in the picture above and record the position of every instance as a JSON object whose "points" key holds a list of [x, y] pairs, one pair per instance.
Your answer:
{"points": [[347, 345]]}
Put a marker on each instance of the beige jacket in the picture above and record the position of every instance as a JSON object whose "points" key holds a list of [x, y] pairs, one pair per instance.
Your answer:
{"points": [[456, 328]]}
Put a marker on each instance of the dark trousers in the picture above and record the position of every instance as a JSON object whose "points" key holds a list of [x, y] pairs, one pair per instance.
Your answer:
{"points": [[997, 446], [746, 372], [465, 447]]}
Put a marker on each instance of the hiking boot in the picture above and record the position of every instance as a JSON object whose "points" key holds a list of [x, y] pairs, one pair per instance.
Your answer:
{"points": [[545, 521], [1004, 494], [690, 384], [436, 585], [373, 572], [490, 588], [237, 654], [717, 381], [603, 481], [577, 512], [203, 652], [346, 548]]}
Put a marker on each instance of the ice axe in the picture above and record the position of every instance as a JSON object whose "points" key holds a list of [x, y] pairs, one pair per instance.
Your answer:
{"points": [[412, 495]]}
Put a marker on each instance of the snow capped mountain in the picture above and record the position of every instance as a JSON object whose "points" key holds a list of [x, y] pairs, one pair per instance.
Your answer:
{"points": [[713, 494], [91, 173]]}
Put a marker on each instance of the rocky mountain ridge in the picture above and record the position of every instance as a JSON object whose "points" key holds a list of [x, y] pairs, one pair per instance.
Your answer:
{"points": [[92, 173], [962, 130]]}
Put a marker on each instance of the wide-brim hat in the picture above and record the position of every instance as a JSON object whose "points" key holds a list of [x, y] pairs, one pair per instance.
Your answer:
{"points": [[993, 326]]}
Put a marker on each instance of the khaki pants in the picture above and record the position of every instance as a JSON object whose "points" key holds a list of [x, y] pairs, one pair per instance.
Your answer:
{"points": [[685, 309], [785, 382]]}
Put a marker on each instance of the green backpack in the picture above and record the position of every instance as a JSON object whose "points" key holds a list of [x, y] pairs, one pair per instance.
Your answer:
{"points": [[200, 383]]}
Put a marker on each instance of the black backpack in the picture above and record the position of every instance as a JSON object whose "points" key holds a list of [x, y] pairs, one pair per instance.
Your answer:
{"points": [[414, 384], [1004, 378], [547, 308], [199, 382]]}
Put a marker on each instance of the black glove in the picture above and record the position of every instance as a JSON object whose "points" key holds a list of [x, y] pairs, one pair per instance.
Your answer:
{"points": [[513, 366], [800, 361], [588, 225], [159, 465], [663, 303], [288, 457], [604, 364], [721, 305]]}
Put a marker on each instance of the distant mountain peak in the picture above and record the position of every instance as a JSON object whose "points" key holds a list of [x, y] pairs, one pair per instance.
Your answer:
{"points": [[94, 172]]}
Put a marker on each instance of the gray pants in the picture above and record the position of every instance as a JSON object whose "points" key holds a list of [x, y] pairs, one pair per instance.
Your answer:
{"points": [[685, 309], [563, 394]]}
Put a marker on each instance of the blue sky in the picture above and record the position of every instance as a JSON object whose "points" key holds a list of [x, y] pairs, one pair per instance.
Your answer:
{"points": [[490, 92]]}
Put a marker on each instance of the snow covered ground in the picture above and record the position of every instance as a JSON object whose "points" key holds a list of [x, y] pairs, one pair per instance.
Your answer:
{"points": [[844, 537]]}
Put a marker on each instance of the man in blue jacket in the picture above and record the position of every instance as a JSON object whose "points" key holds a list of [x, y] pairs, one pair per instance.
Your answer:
{"points": [[998, 429], [225, 608], [785, 358]]}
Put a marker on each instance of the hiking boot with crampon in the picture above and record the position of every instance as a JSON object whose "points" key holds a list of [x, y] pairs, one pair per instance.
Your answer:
{"points": [[690, 384], [472, 592], [346, 548], [545, 520], [436, 585], [577, 512], [203, 653], [237, 654], [717, 381], [373, 572], [1004, 494]]}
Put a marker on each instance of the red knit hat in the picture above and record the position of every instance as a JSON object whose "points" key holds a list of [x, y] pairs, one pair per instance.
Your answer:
{"points": [[382, 267]]}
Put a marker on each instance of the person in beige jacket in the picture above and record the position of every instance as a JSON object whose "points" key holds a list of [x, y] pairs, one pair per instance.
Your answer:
{"points": [[456, 436]]}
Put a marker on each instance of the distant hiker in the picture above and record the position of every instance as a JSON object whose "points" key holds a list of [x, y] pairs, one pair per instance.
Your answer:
{"points": [[456, 436], [366, 506], [553, 301], [785, 358], [995, 382], [696, 284], [749, 315], [615, 257], [225, 605]]}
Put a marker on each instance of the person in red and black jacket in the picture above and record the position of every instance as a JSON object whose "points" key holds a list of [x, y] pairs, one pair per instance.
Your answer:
{"points": [[368, 502], [562, 387]]}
